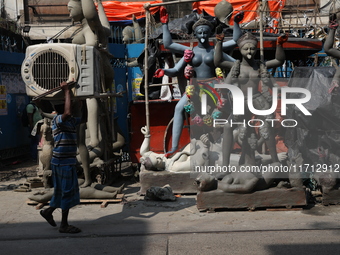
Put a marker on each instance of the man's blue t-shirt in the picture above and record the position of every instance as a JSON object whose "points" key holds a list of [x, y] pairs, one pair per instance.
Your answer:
{"points": [[65, 140]]}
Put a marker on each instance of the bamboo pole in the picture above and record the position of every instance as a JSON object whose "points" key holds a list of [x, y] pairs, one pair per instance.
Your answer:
{"points": [[163, 84], [146, 68], [147, 7], [261, 31], [176, 2]]}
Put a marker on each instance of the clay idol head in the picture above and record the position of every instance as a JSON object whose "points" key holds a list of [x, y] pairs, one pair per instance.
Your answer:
{"points": [[202, 22], [247, 38], [248, 45], [203, 30]]}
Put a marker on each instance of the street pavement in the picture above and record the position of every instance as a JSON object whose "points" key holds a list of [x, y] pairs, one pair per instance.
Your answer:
{"points": [[136, 226]]}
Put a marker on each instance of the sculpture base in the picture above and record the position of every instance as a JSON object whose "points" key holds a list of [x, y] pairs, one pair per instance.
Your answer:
{"points": [[180, 183], [273, 197], [331, 197]]}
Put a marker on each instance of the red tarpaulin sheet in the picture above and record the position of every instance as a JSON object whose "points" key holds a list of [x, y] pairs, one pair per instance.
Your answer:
{"points": [[249, 8], [121, 11]]}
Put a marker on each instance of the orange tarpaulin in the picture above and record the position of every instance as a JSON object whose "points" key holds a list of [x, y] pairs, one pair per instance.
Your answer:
{"points": [[122, 11], [249, 8], [119, 11]]}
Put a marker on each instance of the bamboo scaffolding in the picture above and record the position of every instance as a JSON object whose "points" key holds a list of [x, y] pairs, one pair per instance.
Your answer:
{"points": [[146, 68]]}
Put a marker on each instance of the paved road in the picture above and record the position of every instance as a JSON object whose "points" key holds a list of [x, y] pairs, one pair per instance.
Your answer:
{"points": [[148, 227]]}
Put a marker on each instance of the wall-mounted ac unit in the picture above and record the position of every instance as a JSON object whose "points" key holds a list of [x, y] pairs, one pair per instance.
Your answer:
{"points": [[47, 65]]}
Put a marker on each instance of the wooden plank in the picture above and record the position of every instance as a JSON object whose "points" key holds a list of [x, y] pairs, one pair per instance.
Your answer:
{"points": [[31, 202], [34, 185], [40, 205], [284, 209], [270, 198], [85, 201], [104, 202], [37, 204]]}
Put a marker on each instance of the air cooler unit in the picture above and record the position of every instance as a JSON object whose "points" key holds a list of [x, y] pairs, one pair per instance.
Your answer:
{"points": [[47, 65]]}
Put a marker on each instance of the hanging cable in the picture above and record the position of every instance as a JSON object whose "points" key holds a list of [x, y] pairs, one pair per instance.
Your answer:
{"points": [[62, 31]]}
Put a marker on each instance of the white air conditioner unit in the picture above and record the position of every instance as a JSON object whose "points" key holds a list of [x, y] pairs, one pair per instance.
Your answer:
{"points": [[47, 65]]}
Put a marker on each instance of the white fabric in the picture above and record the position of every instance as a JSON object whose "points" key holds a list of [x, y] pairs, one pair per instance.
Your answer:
{"points": [[165, 90]]}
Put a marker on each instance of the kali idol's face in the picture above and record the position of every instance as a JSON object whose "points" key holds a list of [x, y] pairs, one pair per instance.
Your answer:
{"points": [[202, 33], [248, 50]]}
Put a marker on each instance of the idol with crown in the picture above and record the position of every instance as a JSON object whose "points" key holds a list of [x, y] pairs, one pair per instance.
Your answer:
{"points": [[249, 73], [200, 62]]}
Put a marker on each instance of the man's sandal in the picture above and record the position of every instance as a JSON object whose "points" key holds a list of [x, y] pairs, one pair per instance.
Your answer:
{"points": [[49, 219]]}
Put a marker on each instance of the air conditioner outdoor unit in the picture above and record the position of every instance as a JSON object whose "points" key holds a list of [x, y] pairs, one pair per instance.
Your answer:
{"points": [[47, 65]]}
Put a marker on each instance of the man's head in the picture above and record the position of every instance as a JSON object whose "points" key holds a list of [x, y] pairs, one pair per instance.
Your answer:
{"points": [[59, 108]]}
